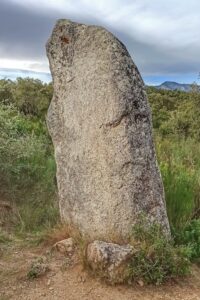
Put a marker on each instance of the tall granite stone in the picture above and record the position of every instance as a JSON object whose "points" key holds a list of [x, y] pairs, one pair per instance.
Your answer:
{"points": [[100, 123]]}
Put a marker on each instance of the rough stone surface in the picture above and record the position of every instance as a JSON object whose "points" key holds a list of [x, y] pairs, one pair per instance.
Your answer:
{"points": [[100, 123], [109, 260]]}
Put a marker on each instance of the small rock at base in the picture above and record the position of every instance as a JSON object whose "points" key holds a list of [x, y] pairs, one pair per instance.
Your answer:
{"points": [[65, 246], [109, 260]]}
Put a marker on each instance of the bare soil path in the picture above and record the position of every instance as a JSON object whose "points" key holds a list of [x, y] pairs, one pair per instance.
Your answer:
{"points": [[67, 281]]}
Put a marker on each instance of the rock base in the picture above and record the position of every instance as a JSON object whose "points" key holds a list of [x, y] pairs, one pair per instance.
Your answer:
{"points": [[109, 260]]}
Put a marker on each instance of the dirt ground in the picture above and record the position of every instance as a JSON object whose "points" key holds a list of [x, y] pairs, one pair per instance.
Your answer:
{"points": [[67, 280]]}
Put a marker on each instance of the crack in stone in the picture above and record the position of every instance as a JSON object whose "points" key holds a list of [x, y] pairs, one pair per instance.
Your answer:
{"points": [[127, 163], [71, 79], [115, 122]]}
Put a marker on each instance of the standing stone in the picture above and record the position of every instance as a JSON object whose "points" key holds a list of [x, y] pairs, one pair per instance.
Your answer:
{"points": [[100, 123]]}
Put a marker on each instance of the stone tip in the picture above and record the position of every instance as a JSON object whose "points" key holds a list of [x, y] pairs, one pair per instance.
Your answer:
{"points": [[63, 22]]}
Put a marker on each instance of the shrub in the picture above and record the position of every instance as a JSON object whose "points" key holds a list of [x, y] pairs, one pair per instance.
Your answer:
{"points": [[4, 237], [30, 96], [157, 258], [190, 236], [27, 169], [38, 268], [180, 167]]}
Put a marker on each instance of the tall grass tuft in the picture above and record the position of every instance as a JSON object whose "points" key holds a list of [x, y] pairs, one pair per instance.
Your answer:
{"points": [[180, 167], [27, 169]]}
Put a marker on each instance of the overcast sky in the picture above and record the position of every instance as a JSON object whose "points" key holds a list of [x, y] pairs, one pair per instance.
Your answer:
{"points": [[162, 36]]}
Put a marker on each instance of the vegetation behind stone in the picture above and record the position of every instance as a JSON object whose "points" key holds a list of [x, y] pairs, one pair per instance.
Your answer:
{"points": [[27, 167]]}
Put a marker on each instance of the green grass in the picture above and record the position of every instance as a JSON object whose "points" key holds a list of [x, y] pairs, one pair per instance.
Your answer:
{"points": [[156, 258], [27, 165], [4, 237], [27, 176], [179, 162], [190, 235]]}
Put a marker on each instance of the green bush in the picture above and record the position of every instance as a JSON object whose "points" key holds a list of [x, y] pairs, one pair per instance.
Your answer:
{"points": [[176, 113], [190, 236], [157, 259], [179, 162], [29, 96], [27, 168], [176, 122], [38, 268], [27, 165], [4, 237], [6, 91]]}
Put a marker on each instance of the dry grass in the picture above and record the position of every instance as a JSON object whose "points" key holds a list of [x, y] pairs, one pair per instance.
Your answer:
{"points": [[8, 214], [60, 232], [56, 234]]}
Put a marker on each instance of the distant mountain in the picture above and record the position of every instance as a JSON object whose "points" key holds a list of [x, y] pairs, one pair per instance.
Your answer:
{"points": [[12, 74], [172, 86]]}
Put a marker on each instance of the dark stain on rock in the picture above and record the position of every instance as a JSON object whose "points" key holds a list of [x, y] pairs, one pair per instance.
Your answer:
{"points": [[64, 39]]}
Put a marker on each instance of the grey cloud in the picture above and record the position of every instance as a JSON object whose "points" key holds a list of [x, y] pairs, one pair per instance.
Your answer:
{"points": [[153, 59], [24, 32]]}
